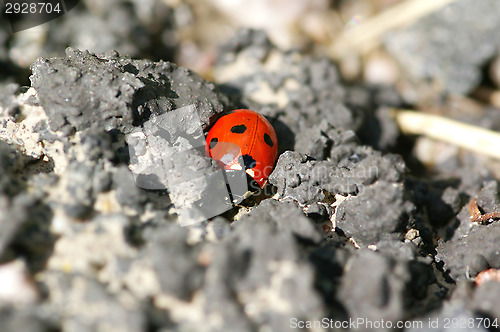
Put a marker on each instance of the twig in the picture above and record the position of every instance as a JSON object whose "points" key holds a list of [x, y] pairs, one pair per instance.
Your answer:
{"points": [[475, 214], [463, 135], [368, 34]]}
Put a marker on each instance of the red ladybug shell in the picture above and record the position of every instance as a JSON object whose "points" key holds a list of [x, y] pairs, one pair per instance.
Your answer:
{"points": [[244, 138]]}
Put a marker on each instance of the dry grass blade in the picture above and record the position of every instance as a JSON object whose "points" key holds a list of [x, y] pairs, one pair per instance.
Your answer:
{"points": [[368, 35], [463, 135]]}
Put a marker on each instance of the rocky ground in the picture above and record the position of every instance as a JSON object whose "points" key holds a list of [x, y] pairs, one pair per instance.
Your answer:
{"points": [[359, 221]]}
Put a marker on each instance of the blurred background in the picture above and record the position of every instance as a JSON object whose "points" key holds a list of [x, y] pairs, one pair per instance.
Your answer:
{"points": [[368, 39], [188, 32]]}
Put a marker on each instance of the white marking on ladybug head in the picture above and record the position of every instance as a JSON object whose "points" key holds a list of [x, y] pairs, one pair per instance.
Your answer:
{"points": [[236, 167]]}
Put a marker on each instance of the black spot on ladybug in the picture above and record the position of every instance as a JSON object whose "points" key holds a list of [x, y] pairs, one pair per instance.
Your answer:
{"points": [[268, 140], [238, 129], [249, 161], [213, 142]]}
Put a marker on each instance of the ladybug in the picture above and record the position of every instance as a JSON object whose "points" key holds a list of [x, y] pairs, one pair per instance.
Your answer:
{"points": [[244, 139]]}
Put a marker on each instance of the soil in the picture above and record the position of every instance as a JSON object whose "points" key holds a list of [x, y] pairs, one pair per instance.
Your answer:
{"points": [[113, 219]]}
